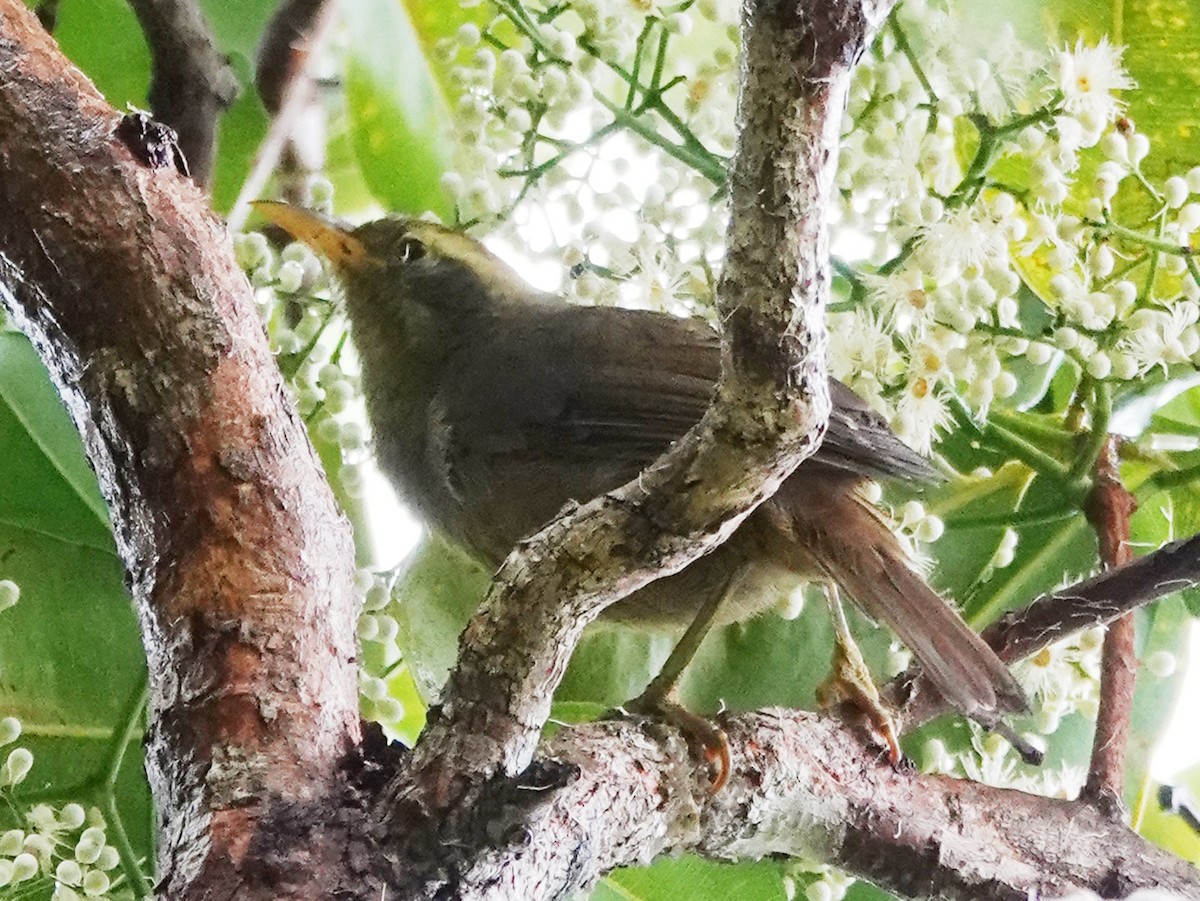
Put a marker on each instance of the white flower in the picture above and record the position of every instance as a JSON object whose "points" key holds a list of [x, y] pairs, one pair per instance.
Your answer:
{"points": [[920, 413], [860, 344], [962, 239], [655, 282], [900, 296], [1160, 338], [1087, 78]]}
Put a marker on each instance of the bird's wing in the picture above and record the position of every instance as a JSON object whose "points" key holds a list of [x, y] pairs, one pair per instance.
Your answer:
{"points": [[590, 383], [563, 406], [576, 401], [860, 440]]}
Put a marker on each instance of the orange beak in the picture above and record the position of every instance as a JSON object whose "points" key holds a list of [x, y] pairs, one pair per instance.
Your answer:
{"points": [[332, 239]]}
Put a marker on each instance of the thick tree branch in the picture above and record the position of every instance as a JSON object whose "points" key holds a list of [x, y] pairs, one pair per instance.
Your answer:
{"points": [[618, 793], [238, 560], [191, 82]]}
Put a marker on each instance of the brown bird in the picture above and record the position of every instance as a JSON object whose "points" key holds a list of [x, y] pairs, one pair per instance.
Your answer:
{"points": [[493, 404]]}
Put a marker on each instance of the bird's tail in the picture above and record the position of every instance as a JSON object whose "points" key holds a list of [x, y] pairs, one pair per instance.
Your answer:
{"points": [[846, 539]]}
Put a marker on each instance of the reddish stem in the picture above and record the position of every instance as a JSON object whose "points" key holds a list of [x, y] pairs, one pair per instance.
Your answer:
{"points": [[1110, 507]]}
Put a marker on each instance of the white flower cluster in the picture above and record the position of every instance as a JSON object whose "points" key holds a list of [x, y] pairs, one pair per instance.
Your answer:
{"points": [[992, 761], [307, 332], [64, 850], [1063, 678], [378, 627], [578, 128], [823, 882], [582, 131]]}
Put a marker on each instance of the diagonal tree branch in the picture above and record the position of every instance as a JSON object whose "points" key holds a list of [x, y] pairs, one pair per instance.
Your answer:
{"points": [[240, 565], [1052, 617]]}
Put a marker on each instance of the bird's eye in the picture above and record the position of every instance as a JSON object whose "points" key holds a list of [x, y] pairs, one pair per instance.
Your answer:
{"points": [[410, 250]]}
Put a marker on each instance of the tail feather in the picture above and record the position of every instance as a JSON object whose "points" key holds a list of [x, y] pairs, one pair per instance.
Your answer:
{"points": [[825, 524], [966, 672]]}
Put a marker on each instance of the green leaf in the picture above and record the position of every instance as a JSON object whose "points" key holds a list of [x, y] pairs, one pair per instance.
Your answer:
{"points": [[1053, 541], [397, 111], [103, 38], [691, 877], [48, 486], [1170, 830], [434, 597], [70, 655]]}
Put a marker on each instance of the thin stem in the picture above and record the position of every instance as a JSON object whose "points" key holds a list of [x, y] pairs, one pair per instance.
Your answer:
{"points": [[1098, 436], [707, 165], [131, 718], [1165, 480], [1149, 241], [1016, 446], [635, 76], [911, 55], [659, 62], [130, 865], [1040, 517]]}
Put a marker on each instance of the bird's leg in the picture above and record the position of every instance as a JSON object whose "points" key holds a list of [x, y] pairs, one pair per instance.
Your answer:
{"points": [[659, 696], [851, 681]]}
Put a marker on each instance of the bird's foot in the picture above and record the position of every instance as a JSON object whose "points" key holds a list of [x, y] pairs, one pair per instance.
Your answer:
{"points": [[703, 735], [850, 683]]}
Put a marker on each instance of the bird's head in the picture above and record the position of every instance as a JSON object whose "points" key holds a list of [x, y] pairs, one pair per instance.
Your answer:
{"points": [[402, 267]]}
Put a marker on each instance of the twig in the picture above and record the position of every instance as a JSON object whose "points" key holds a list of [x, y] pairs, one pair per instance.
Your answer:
{"points": [[283, 56], [191, 81], [293, 101], [1054, 616], [1109, 509]]}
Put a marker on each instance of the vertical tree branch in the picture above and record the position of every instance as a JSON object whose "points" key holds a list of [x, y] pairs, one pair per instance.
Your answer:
{"points": [[1110, 507], [294, 34], [285, 78], [191, 82]]}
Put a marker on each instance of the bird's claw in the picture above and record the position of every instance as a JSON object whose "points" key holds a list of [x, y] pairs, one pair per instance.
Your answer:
{"points": [[701, 733]]}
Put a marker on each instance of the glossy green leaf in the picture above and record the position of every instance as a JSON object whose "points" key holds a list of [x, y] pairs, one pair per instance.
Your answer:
{"points": [[48, 486], [695, 879], [103, 38], [397, 111], [1169, 829], [70, 656], [434, 597]]}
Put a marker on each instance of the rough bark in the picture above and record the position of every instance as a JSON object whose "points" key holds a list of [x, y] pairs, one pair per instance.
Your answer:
{"points": [[238, 560], [1110, 508]]}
